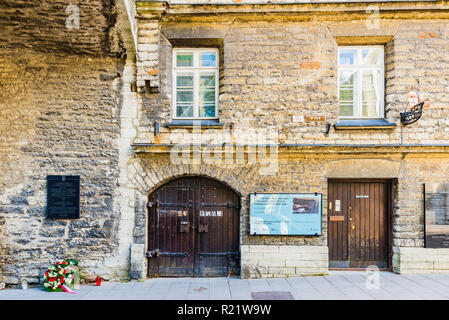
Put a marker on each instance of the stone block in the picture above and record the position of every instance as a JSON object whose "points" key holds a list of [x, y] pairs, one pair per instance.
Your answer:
{"points": [[137, 261], [264, 249]]}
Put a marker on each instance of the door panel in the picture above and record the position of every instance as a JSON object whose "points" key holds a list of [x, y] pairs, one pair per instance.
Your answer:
{"points": [[170, 233], [358, 233], [193, 229]]}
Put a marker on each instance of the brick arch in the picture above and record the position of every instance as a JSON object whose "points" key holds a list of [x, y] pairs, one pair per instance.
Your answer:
{"points": [[165, 181], [147, 175]]}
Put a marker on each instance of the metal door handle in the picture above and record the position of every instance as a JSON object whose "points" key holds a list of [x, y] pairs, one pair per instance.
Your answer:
{"points": [[353, 227]]}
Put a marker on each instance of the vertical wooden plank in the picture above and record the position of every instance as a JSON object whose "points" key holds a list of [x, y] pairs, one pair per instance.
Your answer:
{"points": [[330, 227], [383, 225], [371, 200], [365, 217], [192, 213], [337, 194], [344, 230], [333, 229], [358, 225], [377, 255], [350, 220]]}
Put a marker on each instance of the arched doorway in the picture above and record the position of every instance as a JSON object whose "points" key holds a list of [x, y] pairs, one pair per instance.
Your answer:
{"points": [[193, 229]]}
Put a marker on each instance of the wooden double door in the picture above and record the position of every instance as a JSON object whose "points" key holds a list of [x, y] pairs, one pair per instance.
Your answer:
{"points": [[359, 225], [193, 229]]}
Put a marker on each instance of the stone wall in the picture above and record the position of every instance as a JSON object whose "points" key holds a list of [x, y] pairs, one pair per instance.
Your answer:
{"points": [[420, 260], [288, 68], [42, 25], [259, 261], [68, 106], [59, 116], [306, 170]]}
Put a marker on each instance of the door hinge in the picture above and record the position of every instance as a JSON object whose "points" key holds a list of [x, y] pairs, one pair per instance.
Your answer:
{"points": [[157, 253], [151, 204]]}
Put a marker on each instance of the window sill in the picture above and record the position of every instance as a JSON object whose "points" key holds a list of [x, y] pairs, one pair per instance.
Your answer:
{"points": [[364, 124], [194, 124]]}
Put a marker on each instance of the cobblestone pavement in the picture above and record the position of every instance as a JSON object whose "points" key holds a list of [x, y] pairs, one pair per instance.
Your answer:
{"points": [[337, 285]]}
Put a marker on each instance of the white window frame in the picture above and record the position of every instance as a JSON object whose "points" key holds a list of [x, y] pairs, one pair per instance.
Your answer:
{"points": [[357, 83], [196, 69]]}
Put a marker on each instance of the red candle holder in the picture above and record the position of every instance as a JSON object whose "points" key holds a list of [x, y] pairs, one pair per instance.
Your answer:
{"points": [[98, 280]]}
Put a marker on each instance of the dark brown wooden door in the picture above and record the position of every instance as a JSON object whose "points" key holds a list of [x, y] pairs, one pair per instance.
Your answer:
{"points": [[358, 224], [193, 229]]}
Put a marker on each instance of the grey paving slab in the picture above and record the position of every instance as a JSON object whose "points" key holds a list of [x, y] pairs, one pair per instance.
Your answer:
{"points": [[302, 290], [259, 285], [356, 294], [339, 282], [336, 286], [219, 289], [278, 284], [239, 289]]}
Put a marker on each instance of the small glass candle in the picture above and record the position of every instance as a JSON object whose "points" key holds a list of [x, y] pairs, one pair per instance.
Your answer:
{"points": [[24, 284]]}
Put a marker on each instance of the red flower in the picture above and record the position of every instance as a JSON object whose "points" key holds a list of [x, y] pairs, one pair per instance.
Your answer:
{"points": [[57, 263], [65, 272], [64, 262], [62, 281]]}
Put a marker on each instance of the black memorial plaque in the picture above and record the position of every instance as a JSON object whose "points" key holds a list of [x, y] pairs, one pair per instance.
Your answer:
{"points": [[63, 197], [436, 197]]}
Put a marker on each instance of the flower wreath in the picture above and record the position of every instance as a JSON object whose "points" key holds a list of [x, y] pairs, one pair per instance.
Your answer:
{"points": [[60, 273]]}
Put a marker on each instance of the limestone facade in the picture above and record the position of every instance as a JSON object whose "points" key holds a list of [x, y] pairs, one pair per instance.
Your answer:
{"points": [[76, 104]]}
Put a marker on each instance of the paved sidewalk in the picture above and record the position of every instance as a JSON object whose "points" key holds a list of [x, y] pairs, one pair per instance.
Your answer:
{"points": [[338, 285]]}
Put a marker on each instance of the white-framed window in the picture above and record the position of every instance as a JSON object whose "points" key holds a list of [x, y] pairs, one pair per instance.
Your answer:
{"points": [[361, 77], [195, 83]]}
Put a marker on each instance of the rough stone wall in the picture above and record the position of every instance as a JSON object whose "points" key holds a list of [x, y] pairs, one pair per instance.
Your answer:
{"points": [[288, 68], [59, 116], [41, 25]]}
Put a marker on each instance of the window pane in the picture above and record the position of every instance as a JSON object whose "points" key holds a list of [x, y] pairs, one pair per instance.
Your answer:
{"points": [[348, 56], [370, 94], [207, 80], [184, 80], [208, 59], [184, 111], [184, 59], [207, 94], [184, 95], [207, 110], [371, 56], [347, 93]]}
